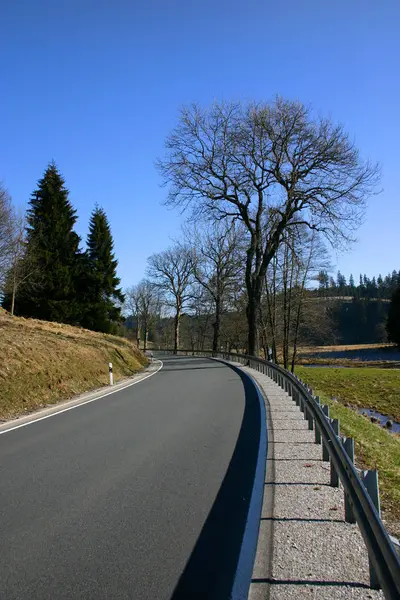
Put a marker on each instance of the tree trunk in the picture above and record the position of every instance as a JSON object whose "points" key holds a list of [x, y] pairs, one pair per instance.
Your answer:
{"points": [[216, 327], [144, 338], [14, 290], [176, 330], [252, 310], [138, 327]]}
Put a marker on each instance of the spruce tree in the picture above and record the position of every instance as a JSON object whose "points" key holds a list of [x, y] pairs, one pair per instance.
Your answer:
{"points": [[105, 296], [393, 322], [50, 233]]}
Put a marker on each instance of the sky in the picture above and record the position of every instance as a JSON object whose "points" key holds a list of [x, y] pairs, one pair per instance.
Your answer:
{"points": [[97, 86]]}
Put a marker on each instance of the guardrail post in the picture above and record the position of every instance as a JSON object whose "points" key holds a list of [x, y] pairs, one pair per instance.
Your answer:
{"points": [[370, 481], [334, 474], [317, 431], [305, 411], [310, 421], [303, 407], [325, 452], [348, 444]]}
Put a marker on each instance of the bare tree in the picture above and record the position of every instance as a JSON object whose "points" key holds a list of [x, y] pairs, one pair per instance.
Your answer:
{"points": [[6, 235], [132, 308], [272, 166], [172, 273], [286, 302], [196, 329], [21, 264], [309, 257], [219, 260], [145, 298]]}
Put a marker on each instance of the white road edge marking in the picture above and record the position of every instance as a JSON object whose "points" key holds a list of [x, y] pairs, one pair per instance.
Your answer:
{"points": [[63, 410]]}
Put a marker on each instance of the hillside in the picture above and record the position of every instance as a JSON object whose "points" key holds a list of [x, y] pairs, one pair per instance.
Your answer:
{"points": [[43, 362]]}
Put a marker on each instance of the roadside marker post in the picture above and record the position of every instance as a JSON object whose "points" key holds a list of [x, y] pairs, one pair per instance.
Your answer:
{"points": [[110, 370]]}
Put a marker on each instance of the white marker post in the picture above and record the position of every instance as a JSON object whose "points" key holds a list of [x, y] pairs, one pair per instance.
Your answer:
{"points": [[111, 373]]}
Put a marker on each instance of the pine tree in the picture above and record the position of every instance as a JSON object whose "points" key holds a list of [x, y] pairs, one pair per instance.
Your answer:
{"points": [[393, 322], [351, 282], [323, 280], [340, 282], [104, 296], [51, 219]]}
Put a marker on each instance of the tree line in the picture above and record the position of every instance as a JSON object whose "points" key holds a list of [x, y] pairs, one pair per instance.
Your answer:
{"points": [[45, 274], [376, 288], [194, 298]]}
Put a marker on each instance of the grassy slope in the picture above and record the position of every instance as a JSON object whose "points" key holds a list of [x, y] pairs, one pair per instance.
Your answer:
{"points": [[43, 363], [365, 388], [375, 448]]}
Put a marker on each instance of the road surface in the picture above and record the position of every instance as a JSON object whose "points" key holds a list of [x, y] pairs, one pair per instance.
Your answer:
{"points": [[140, 495]]}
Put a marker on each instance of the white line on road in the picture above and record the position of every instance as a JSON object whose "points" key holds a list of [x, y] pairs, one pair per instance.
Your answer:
{"points": [[59, 412]]}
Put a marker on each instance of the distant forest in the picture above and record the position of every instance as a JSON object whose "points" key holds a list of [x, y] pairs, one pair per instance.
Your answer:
{"points": [[380, 288], [337, 313]]}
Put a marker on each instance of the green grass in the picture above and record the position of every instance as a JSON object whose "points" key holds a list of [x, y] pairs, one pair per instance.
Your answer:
{"points": [[375, 448], [374, 388]]}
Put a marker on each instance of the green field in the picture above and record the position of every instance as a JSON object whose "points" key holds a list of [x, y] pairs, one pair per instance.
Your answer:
{"points": [[375, 447], [374, 388]]}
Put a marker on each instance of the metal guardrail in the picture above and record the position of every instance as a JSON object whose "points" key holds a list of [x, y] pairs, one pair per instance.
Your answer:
{"points": [[361, 492]]}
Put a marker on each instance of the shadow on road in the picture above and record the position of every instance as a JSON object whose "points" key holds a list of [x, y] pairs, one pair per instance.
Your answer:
{"points": [[210, 571]]}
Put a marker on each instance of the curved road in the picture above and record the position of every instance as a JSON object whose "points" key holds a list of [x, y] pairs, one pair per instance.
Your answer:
{"points": [[140, 495]]}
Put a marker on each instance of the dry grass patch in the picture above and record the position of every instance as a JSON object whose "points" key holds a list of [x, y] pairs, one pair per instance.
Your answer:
{"points": [[43, 362]]}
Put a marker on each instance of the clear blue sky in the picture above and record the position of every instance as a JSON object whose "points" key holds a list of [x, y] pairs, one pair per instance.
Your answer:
{"points": [[97, 85]]}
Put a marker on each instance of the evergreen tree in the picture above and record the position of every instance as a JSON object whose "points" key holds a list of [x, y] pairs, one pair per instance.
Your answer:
{"points": [[351, 282], [51, 219], [103, 295], [393, 322], [379, 283], [374, 288], [361, 287], [323, 280], [341, 282]]}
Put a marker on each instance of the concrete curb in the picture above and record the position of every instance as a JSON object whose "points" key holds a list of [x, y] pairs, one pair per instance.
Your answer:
{"points": [[245, 565]]}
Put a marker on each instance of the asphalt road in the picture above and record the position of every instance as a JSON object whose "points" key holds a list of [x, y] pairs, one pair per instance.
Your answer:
{"points": [[140, 495]]}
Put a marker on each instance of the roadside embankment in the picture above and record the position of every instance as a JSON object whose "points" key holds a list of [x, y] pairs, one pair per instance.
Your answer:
{"points": [[43, 363]]}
